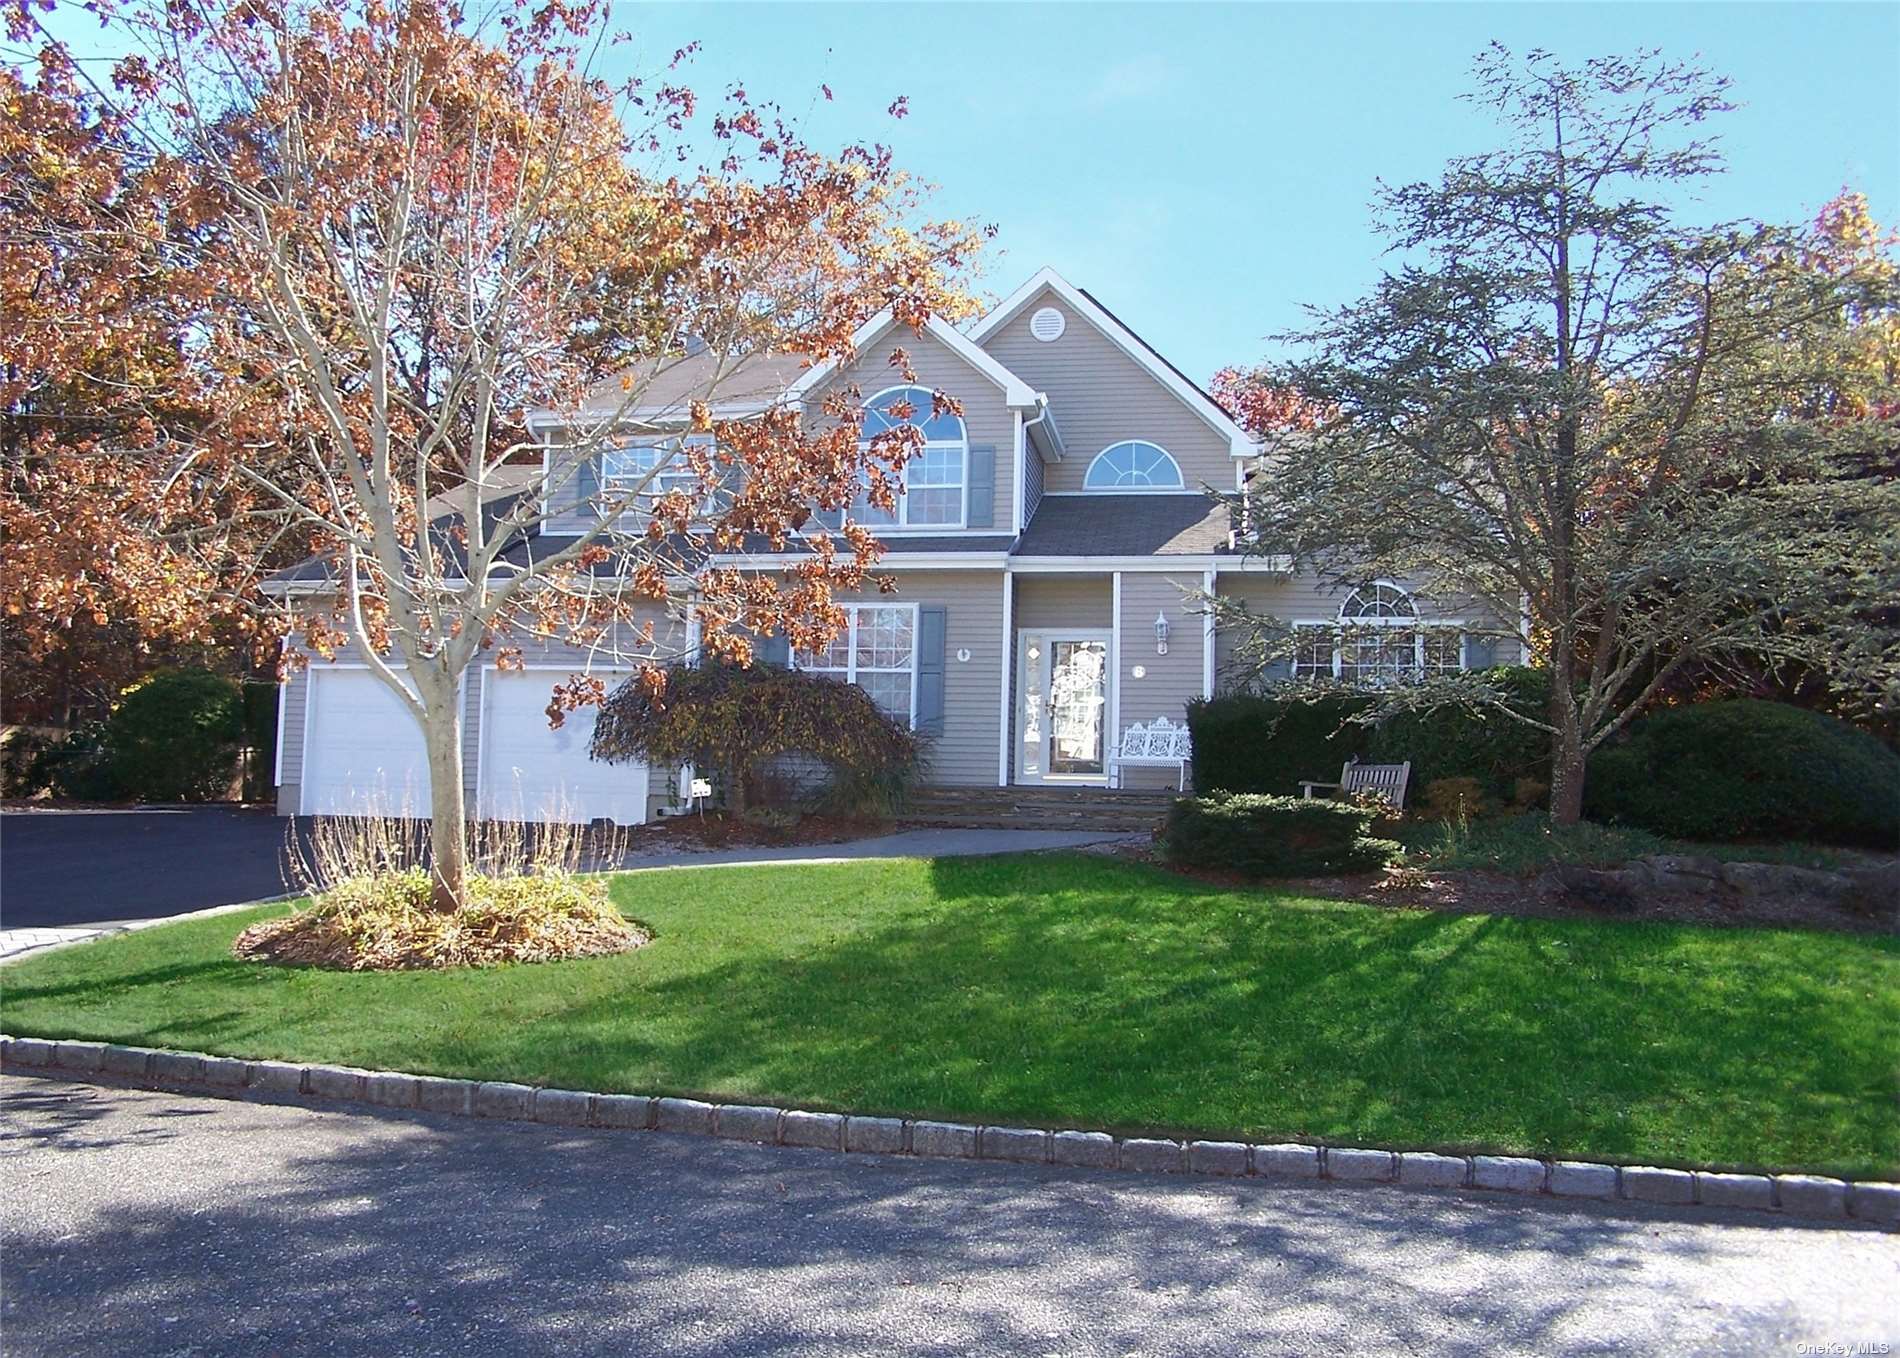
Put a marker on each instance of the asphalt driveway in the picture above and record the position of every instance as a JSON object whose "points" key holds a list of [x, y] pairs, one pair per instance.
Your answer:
{"points": [[140, 1222], [66, 867], [83, 867]]}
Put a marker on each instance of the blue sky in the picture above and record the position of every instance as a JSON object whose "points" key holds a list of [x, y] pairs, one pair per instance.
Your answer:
{"points": [[1206, 170]]}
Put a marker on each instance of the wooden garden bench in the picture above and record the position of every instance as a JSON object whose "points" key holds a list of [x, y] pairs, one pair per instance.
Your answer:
{"points": [[1388, 780], [1159, 744]]}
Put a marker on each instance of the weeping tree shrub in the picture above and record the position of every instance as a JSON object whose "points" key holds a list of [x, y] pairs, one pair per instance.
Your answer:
{"points": [[735, 720]]}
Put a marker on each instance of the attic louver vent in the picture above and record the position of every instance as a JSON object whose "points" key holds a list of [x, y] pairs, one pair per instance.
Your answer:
{"points": [[1047, 325]]}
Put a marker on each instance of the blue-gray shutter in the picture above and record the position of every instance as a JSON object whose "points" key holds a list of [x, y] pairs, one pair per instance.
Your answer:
{"points": [[1277, 671], [587, 481], [1481, 653], [773, 650], [982, 486], [931, 621]]}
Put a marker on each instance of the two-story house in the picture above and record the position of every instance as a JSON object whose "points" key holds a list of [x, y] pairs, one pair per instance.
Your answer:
{"points": [[1048, 552]]}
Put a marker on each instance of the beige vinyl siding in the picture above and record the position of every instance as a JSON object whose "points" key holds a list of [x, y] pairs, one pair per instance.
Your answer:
{"points": [[1064, 601], [1169, 681], [986, 419], [1100, 396], [965, 755]]}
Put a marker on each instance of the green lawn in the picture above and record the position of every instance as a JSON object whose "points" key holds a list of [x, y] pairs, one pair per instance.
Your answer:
{"points": [[1080, 990]]}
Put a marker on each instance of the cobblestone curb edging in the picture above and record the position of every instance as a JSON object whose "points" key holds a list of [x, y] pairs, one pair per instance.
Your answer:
{"points": [[1808, 1196]]}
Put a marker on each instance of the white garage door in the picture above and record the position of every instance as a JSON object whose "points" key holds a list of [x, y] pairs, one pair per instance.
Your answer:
{"points": [[530, 772], [363, 751]]}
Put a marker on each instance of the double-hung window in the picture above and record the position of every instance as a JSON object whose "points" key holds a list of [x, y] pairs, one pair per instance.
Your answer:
{"points": [[935, 478], [650, 468], [876, 649]]}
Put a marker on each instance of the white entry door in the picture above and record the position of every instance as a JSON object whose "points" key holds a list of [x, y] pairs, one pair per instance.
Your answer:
{"points": [[363, 751], [531, 772], [1062, 706]]}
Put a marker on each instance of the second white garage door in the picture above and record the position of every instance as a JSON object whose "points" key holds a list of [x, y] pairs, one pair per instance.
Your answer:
{"points": [[529, 772]]}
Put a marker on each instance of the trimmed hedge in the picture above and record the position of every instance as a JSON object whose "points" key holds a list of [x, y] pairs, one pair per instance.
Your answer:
{"points": [[1490, 747], [1248, 742], [1748, 769], [1261, 836]]}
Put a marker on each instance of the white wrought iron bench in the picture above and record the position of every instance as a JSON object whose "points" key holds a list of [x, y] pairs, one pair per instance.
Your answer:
{"points": [[1157, 744], [1388, 780]]}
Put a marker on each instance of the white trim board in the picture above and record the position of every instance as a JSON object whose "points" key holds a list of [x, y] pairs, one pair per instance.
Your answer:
{"points": [[1239, 442], [1017, 394]]}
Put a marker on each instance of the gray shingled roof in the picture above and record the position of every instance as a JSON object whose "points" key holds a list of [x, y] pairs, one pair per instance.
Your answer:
{"points": [[1126, 525]]}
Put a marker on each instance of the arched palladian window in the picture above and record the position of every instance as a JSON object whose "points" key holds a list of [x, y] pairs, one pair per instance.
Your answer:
{"points": [[1377, 639], [935, 475], [1133, 464], [1382, 599]]}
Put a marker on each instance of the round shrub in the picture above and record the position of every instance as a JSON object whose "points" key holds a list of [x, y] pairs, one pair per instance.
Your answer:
{"points": [[175, 737], [1264, 836], [1747, 769]]}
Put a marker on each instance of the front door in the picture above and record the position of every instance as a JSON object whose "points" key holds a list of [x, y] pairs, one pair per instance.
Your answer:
{"points": [[1062, 708]]}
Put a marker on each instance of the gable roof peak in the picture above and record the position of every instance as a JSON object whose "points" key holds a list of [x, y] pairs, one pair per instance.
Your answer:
{"points": [[1084, 304]]}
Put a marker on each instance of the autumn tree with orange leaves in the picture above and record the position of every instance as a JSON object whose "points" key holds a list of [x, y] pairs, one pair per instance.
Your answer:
{"points": [[1638, 447], [297, 274]]}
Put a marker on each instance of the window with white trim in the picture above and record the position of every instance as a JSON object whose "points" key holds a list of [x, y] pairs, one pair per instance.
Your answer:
{"points": [[649, 468], [1378, 639], [876, 649], [1133, 464], [934, 479]]}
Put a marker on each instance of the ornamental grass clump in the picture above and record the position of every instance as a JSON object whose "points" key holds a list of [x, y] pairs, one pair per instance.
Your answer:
{"points": [[373, 905], [390, 923]]}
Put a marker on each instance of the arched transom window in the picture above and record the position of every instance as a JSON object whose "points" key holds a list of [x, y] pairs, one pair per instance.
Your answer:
{"points": [[1381, 600], [1134, 464], [935, 475]]}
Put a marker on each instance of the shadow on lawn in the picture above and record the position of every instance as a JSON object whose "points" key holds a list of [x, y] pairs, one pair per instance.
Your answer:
{"points": [[1078, 991], [402, 1234], [1075, 997]]}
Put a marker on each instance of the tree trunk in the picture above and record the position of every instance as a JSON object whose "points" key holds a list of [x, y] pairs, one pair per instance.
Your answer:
{"points": [[735, 791], [1567, 761], [448, 824]]}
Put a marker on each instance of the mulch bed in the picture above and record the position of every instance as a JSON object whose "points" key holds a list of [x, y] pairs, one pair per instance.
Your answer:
{"points": [[1471, 892]]}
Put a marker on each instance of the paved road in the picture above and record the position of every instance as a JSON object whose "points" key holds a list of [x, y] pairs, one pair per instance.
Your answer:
{"points": [[156, 1223], [64, 868]]}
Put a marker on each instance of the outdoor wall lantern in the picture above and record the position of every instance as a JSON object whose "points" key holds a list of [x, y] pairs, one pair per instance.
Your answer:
{"points": [[1161, 634]]}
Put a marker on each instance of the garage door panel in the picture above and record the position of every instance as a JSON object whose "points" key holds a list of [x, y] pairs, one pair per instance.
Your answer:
{"points": [[532, 772], [364, 752]]}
